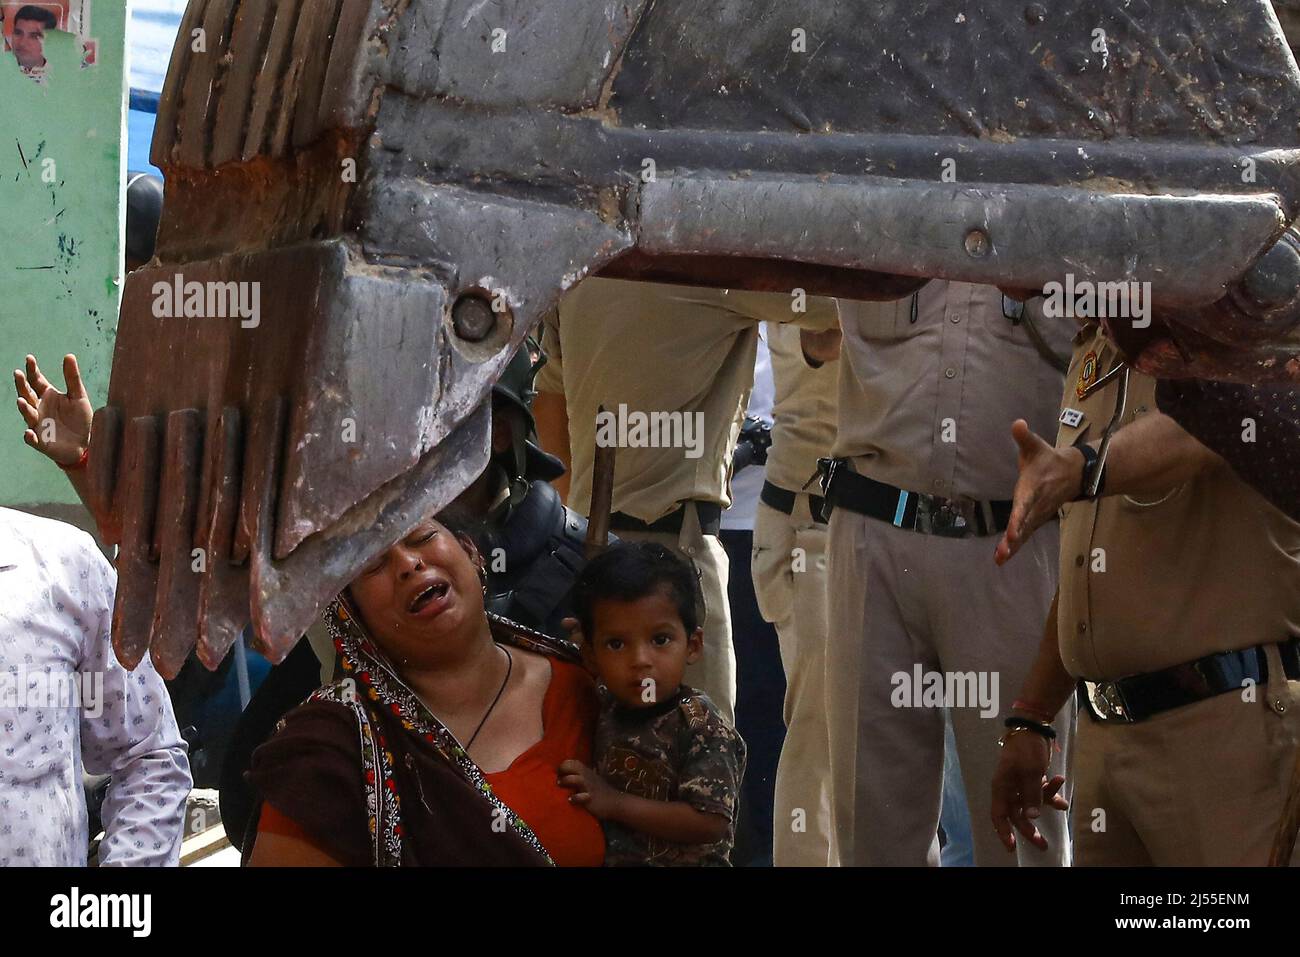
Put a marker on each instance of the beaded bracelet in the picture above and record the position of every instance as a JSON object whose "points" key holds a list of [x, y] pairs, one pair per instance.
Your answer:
{"points": [[1040, 728]]}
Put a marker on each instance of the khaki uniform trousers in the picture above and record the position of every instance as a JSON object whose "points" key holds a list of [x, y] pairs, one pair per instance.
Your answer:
{"points": [[789, 568], [1198, 786], [898, 598], [715, 672]]}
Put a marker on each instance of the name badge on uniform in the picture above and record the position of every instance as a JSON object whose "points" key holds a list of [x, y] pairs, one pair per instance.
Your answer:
{"points": [[1071, 418]]}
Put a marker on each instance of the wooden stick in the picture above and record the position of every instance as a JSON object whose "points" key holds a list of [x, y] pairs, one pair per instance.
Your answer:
{"points": [[602, 497]]}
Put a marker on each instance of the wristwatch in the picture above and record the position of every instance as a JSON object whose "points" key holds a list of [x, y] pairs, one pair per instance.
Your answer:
{"points": [[1091, 460]]}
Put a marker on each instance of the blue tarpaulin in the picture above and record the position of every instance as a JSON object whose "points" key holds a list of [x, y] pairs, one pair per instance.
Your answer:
{"points": [[150, 35]]}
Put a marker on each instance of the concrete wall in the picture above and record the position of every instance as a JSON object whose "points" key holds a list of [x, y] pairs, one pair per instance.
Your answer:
{"points": [[61, 178]]}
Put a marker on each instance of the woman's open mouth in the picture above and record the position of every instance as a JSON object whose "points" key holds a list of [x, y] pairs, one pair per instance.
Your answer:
{"points": [[430, 601]]}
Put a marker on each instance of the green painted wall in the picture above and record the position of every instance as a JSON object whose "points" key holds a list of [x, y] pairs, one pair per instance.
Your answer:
{"points": [[60, 241]]}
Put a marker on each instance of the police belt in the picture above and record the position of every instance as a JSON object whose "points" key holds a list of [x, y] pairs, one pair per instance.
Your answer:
{"points": [[710, 514], [783, 501], [914, 511], [1139, 697]]}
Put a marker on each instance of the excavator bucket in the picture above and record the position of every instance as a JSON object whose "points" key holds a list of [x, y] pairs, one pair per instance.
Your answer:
{"points": [[369, 203]]}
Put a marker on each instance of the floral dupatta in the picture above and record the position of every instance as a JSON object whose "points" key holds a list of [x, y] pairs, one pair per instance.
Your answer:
{"points": [[370, 683]]}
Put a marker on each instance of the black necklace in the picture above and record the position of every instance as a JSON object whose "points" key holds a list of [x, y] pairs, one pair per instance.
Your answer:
{"points": [[510, 666]]}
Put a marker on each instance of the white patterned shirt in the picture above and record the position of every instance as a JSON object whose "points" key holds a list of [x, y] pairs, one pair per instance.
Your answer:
{"points": [[67, 704]]}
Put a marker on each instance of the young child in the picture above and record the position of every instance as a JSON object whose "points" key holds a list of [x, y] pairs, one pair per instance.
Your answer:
{"points": [[668, 766]]}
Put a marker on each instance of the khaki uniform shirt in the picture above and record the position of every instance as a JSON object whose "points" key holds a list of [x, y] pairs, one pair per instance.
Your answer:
{"points": [[657, 348], [930, 385], [1208, 567], [803, 411]]}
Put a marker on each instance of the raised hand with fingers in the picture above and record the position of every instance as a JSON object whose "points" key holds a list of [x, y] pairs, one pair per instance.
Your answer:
{"points": [[1049, 477], [58, 423]]}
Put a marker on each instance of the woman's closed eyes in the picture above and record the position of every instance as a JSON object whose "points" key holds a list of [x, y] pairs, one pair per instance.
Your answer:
{"points": [[414, 540]]}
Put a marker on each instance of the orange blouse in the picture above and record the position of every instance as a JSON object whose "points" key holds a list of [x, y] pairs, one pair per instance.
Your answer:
{"points": [[530, 786]]}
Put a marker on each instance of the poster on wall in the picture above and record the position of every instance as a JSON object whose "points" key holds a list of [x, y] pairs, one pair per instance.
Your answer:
{"points": [[27, 27], [62, 109]]}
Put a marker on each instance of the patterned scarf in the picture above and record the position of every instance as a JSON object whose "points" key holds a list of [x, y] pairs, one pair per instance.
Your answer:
{"points": [[370, 682]]}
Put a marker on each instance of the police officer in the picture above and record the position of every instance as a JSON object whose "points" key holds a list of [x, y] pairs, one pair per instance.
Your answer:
{"points": [[1177, 621], [676, 355], [789, 568], [532, 543], [920, 618]]}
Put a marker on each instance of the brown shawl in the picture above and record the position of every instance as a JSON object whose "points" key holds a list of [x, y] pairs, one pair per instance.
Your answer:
{"points": [[376, 780]]}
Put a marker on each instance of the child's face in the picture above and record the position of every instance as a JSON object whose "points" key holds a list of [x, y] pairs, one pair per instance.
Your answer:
{"points": [[641, 649]]}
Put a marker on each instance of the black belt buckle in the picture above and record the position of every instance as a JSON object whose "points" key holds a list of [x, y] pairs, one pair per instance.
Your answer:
{"points": [[1142, 696], [827, 469], [945, 517], [954, 517]]}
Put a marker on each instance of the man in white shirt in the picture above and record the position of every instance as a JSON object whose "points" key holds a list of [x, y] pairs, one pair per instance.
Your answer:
{"points": [[66, 704]]}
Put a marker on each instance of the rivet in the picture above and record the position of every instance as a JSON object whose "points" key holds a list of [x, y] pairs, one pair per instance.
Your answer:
{"points": [[978, 244], [472, 318]]}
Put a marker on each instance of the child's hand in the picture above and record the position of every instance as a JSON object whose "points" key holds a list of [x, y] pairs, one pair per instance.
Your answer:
{"points": [[589, 789], [574, 628]]}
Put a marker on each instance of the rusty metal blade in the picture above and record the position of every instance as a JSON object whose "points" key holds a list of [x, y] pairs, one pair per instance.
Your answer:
{"points": [[324, 23], [223, 590], [267, 88], [305, 43], [262, 464], [173, 631], [509, 179], [137, 574], [165, 126], [105, 442], [198, 105], [248, 41], [287, 596]]}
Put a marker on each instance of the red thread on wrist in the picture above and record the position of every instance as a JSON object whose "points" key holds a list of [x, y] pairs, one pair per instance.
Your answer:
{"points": [[79, 464], [1033, 709]]}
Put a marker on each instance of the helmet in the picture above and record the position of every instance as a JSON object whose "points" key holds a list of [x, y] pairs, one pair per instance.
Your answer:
{"points": [[515, 389], [144, 201]]}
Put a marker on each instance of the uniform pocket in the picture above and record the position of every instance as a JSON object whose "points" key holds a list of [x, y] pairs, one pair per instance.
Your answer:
{"points": [[881, 320], [771, 564], [1003, 317]]}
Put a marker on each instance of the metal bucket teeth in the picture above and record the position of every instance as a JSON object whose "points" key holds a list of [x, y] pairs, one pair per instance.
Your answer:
{"points": [[137, 572], [171, 635], [363, 167], [223, 587]]}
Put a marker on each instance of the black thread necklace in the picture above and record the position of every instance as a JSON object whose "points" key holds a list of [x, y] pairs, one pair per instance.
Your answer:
{"points": [[510, 666]]}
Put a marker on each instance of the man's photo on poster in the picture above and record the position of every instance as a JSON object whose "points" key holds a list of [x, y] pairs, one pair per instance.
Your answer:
{"points": [[27, 25]]}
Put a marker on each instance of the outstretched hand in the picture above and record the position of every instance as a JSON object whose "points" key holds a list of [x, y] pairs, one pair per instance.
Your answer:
{"points": [[58, 423], [1049, 477], [1021, 788]]}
